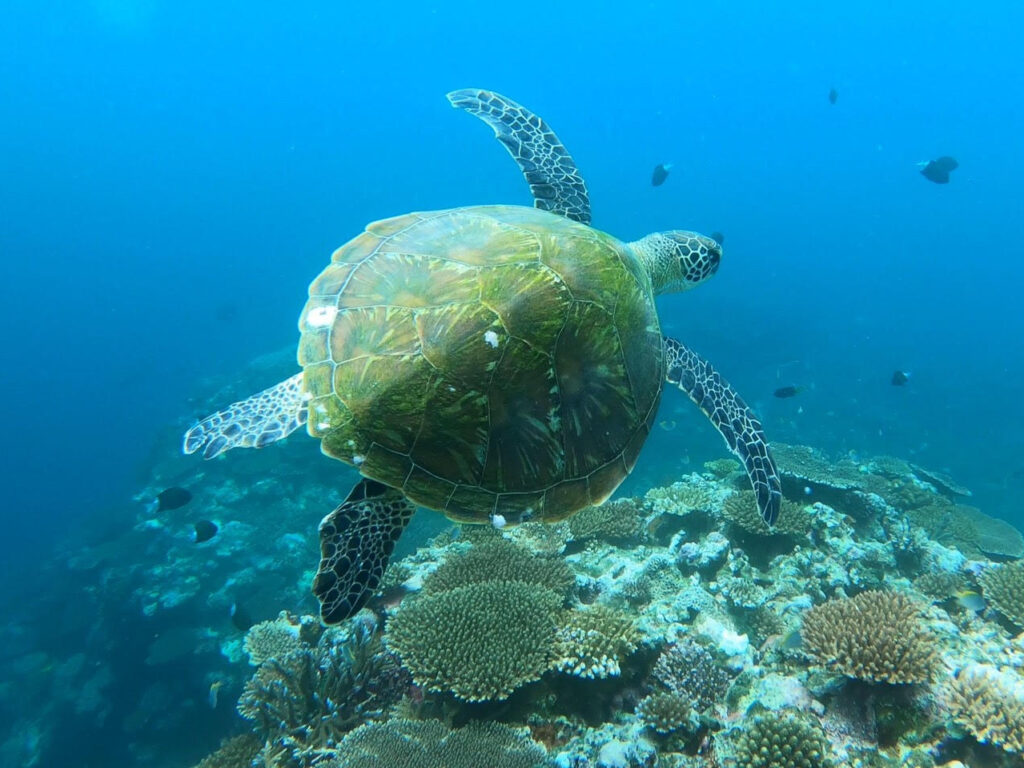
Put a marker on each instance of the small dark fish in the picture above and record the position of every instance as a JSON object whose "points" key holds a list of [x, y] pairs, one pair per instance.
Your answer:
{"points": [[205, 530], [660, 174], [241, 618], [790, 391], [833, 96], [939, 170], [899, 378], [172, 498], [718, 237]]}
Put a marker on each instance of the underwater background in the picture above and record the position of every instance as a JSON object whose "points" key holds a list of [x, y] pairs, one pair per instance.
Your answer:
{"points": [[174, 175]]}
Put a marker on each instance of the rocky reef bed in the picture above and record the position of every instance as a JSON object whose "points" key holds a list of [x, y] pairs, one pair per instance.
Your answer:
{"points": [[878, 624]]}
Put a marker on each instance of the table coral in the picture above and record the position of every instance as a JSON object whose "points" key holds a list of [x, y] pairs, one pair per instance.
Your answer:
{"points": [[481, 641]]}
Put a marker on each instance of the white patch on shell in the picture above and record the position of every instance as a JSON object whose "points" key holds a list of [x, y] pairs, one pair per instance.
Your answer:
{"points": [[491, 338], [498, 521], [357, 459], [321, 317]]}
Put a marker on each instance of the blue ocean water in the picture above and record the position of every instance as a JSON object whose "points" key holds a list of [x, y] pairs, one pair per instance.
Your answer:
{"points": [[175, 173]]}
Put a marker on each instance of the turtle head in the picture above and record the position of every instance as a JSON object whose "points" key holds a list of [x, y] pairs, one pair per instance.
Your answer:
{"points": [[677, 260]]}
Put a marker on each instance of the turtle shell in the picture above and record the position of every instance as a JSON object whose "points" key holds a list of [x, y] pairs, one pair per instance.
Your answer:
{"points": [[494, 360]]}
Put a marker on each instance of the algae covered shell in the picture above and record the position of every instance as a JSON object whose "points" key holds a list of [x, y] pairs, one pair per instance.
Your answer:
{"points": [[528, 350]]}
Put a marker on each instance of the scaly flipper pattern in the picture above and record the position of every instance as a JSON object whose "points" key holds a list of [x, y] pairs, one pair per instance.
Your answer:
{"points": [[356, 541], [554, 179], [260, 420], [732, 418]]}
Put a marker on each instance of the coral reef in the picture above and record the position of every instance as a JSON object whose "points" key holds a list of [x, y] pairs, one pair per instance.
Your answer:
{"points": [[481, 641], [236, 752], [1004, 588], [499, 560], [431, 744], [940, 585], [655, 630], [592, 642], [308, 699], [780, 741], [689, 672], [740, 509], [278, 637], [989, 705], [875, 636], [666, 713], [617, 520]]}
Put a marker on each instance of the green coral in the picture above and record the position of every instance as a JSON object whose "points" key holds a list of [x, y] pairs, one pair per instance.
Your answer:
{"points": [[236, 752], [310, 697], [690, 672], [722, 468], [680, 498], [940, 585], [763, 622], [592, 642], [780, 740], [666, 712], [988, 706], [1004, 588], [875, 636], [500, 560], [741, 510], [273, 639], [612, 521], [480, 642], [431, 744]]}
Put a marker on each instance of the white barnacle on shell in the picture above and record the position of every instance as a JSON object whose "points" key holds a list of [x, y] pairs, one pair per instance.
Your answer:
{"points": [[498, 521], [321, 317], [491, 338], [323, 426], [357, 459]]}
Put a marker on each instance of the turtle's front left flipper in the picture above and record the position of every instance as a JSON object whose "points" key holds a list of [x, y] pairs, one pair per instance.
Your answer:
{"points": [[732, 418], [554, 179], [260, 420], [356, 541]]}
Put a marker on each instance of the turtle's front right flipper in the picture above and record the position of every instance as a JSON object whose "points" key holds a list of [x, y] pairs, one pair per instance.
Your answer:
{"points": [[554, 179], [732, 418], [356, 541], [264, 418]]}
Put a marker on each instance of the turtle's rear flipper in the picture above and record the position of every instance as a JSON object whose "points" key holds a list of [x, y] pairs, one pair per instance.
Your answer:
{"points": [[356, 541], [554, 180], [732, 418], [264, 418]]}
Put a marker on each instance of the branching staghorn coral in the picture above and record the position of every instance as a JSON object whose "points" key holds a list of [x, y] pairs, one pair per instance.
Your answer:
{"points": [[780, 740], [481, 641], [681, 498], [431, 744], [274, 639], [612, 521], [591, 642], [741, 510], [1004, 588], [876, 636], [667, 712], [690, 672], [989, 705], [236, 752], [311, 697], [940, 585], [500, 560]]}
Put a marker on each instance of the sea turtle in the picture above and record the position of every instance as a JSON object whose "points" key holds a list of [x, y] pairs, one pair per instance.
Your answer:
{"points": [[496, 363]]}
